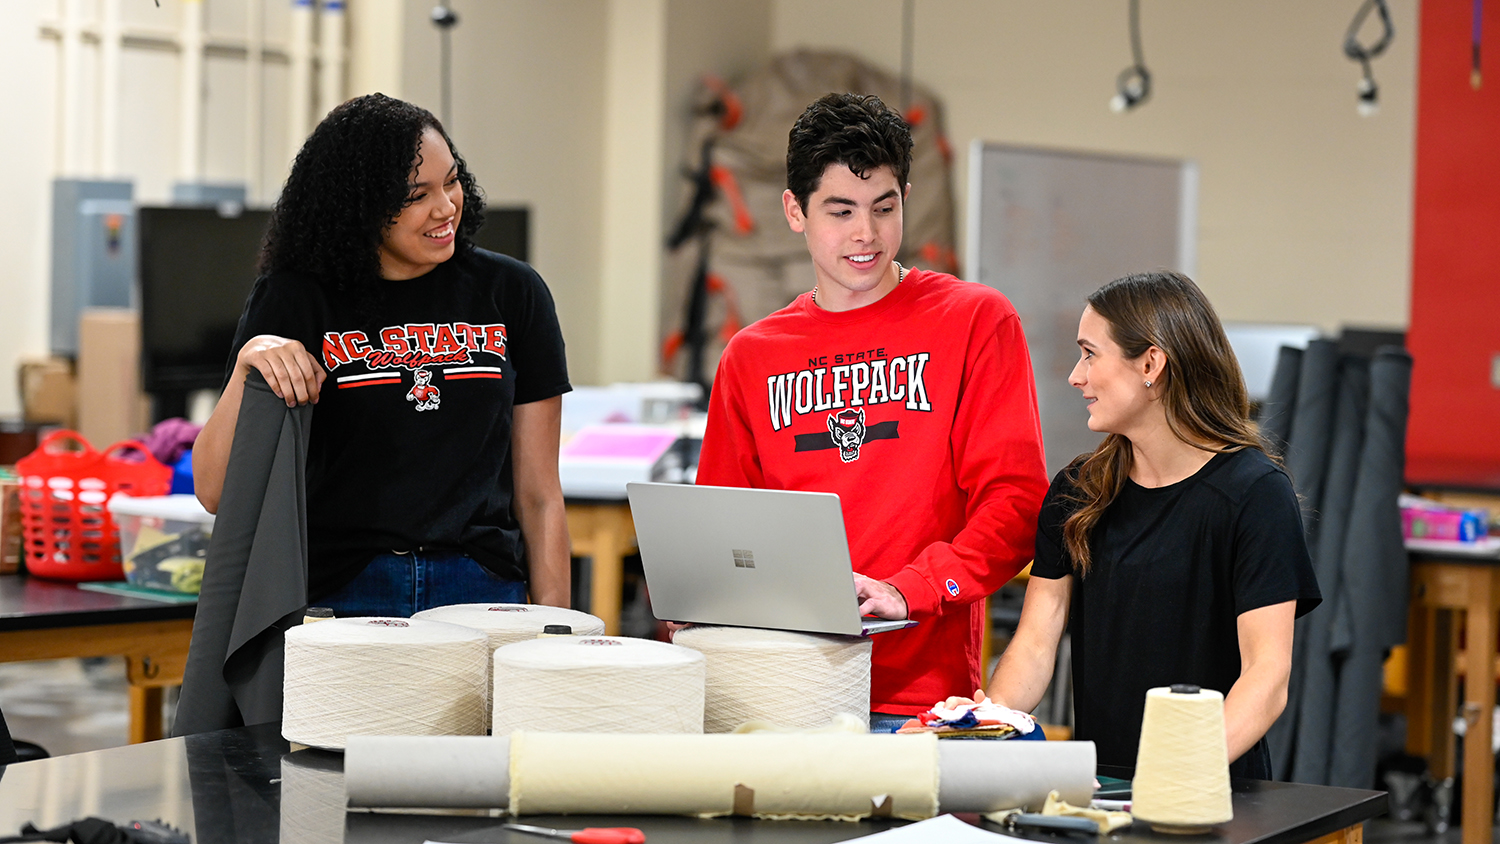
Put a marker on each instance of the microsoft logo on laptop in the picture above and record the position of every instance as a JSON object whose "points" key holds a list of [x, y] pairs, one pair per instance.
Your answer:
{"points": [[743, 559]]}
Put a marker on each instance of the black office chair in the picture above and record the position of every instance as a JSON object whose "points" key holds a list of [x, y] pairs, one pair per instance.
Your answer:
{"points": [[7, 747], [12, 750]]}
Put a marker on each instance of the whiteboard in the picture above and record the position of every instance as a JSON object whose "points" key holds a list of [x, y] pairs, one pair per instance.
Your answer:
{"points": [[1049, 227]]}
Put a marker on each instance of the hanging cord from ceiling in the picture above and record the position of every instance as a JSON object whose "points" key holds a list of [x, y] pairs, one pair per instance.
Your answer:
{"points": [[445, 19], [908, 50], [1133, 85], [1369, 92]]}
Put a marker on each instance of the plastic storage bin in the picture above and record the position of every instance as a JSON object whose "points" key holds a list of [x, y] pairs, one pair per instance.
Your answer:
{"points": [[67, 530], [163, 540]]}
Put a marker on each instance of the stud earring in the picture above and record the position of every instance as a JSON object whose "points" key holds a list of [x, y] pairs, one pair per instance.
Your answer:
{"points": [[1148, 383]]}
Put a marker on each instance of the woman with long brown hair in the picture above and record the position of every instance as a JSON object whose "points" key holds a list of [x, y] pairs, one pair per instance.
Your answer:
{"points": [[1173, 552]]}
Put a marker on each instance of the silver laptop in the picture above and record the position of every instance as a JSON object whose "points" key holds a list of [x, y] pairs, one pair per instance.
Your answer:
{"points": [[749, 558]]}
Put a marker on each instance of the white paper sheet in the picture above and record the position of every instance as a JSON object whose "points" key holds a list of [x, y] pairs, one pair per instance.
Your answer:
{"points": [[943, 829]]}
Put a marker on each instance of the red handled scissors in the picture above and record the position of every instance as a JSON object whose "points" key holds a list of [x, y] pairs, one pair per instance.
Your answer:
{"points": [[590, 835]]}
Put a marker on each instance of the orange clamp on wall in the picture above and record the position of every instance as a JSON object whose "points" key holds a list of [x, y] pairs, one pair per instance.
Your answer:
{"points": [[727, 184]]}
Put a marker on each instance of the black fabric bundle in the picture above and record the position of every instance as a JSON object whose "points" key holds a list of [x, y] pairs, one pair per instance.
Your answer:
{"points": [[255, 578]]}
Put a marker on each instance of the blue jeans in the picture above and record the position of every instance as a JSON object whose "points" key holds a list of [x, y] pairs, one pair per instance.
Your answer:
{"points": [[400, 585], [884, 722]]}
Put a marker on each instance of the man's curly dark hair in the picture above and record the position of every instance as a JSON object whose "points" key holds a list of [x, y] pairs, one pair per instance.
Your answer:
{"points": [[855, 130], [348, 183]]}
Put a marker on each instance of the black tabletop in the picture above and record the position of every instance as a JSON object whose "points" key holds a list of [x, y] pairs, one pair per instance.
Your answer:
{"points": [[35, 603], [246, 785]]}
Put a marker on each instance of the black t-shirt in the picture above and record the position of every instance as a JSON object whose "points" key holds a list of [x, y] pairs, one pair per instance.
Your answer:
{"points": [[410, 443], [1173, 568]]}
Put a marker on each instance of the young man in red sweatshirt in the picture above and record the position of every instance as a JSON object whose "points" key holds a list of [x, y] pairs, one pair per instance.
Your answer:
{"points": [[908, 393]]}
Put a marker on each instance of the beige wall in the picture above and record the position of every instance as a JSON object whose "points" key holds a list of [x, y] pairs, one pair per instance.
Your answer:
{"points": [[529, 116], [1305, 211], [25, 220]]}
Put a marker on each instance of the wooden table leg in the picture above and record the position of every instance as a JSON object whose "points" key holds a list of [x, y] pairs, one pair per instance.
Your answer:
{"points": [[1479, 706], [145, 713], [605, 533], [607, 583], [1348, 835]]}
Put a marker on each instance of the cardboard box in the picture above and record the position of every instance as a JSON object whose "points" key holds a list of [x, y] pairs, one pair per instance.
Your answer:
{"points": [[48, 391], [111, 405]]}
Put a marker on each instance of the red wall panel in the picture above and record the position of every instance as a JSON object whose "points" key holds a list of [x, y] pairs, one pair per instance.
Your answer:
{"points": [[1455, 309]]}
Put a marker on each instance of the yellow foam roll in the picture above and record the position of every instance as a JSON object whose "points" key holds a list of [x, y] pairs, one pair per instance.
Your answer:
{"points": [[762, 775]]}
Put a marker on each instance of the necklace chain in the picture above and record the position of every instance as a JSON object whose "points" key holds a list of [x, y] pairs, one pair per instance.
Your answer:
{"points": [[900, 277]]}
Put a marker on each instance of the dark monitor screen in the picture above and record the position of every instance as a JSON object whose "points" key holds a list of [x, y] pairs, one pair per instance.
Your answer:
{"points": [[196, 270], [507, 231]]}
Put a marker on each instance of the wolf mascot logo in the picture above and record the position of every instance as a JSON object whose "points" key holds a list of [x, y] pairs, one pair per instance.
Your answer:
{"points": [[423, 393], [847, 427]]}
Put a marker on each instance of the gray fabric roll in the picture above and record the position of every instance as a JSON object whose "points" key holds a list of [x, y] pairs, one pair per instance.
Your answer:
{"points": [[255, 577], [1307, 462], [1311, 430], [1375, 570], [1318, 669], [1281, 403]]}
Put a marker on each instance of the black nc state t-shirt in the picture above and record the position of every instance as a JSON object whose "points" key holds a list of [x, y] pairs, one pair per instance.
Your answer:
{"points": [[410, 443], [1172, 570]]}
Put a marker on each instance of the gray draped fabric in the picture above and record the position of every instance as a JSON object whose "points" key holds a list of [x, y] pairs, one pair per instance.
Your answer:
{"points": [[1314, 716], [1311, 430], [1276, 413], [1375, 572], [1348, 466], [255, 580]]}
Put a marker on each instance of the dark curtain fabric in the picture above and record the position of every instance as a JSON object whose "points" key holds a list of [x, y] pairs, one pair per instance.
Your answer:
{"points": [[1314, 716], [1310, 432], [7, 746], [255, 580], [1276, 413], [1375, 572]]}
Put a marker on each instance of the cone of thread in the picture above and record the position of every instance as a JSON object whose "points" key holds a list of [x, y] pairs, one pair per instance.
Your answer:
{"points": [[1182, 767]]}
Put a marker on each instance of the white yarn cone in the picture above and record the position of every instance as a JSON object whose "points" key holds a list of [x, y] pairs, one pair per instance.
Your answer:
{"points": [[382, 676], [788, 679], [598, 684], [1182, 768]]}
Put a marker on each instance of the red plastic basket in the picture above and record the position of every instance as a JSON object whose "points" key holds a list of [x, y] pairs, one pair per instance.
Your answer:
{"points": [[67, 532]]}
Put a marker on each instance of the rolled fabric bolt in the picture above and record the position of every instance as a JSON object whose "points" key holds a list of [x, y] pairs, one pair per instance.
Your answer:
{"points": [[452, 772]]}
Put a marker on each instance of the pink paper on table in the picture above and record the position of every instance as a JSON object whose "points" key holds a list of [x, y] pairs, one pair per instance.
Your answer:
{"points": [[619, 442]]}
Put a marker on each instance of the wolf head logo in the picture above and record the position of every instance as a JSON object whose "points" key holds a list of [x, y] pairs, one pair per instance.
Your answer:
{"points": [[422, 392], [847, 427]]}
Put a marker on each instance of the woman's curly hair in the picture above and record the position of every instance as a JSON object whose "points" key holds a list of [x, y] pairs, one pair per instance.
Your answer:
{"points": [[348, 183]]}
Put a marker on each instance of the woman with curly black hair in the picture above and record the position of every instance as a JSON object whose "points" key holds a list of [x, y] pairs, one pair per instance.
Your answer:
{"points": [[432, 465]]}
